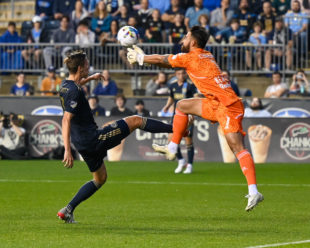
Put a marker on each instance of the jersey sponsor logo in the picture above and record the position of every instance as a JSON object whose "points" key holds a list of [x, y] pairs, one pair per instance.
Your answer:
{"points": [[47, 110], [292, 112], [222, 82], [295, 141], [45, 136]]}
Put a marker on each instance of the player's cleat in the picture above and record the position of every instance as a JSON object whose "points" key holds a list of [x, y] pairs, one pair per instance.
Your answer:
{"points": [[180, 167], [189, 169], [65, 215], [253, 201], [164, 150]]}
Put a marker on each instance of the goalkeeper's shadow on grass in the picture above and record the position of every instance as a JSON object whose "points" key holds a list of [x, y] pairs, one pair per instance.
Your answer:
{"points": [[139, 230]]}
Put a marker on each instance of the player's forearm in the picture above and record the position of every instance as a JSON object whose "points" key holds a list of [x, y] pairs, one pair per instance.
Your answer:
{"points": [[156, 59], [86, 80], [170, 101], [66, 125]]}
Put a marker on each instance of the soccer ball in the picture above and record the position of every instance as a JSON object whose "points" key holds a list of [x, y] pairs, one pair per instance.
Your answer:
{"points": [[128, 36]]}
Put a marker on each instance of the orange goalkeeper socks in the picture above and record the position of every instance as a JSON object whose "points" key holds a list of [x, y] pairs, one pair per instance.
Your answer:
{"points": [[247, 166], [180, 121]]}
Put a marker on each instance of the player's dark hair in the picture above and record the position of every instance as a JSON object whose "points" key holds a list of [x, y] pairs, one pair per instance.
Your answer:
{"points": [[201, 36], [74, 60]]}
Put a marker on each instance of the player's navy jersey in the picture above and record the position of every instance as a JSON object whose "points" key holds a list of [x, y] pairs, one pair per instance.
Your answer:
{"points": [[178, 92], [83, 127]]}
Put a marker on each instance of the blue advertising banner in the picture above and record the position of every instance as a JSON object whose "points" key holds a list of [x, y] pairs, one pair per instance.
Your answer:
{"points": [[268, 139]]}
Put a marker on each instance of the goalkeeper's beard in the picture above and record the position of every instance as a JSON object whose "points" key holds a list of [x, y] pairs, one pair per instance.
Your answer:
{"points": [[184, 49]]}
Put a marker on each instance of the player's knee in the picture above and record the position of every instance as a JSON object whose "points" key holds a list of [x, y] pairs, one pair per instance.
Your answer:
{"points": [[179, 105], [182, 106], [99, 181], [236, 147], [134, 122]]}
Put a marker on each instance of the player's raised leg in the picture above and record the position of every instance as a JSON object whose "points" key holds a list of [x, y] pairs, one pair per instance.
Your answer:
{"points": [[147, 124], [235, 141], [180, 122]]}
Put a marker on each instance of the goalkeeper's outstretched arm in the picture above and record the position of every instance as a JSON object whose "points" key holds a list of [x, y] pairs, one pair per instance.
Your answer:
{"points": [[136, 55], [159, 60]]}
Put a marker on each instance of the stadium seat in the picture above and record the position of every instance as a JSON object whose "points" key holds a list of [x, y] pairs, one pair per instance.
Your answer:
{"points": [[26, 27], [51, 24]]}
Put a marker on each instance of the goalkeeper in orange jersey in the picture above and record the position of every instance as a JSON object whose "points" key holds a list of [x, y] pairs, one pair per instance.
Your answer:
{"points": [[220, 104]]}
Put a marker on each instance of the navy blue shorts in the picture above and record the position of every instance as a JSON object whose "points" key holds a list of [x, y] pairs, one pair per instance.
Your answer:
{"points": [[108, 137]]}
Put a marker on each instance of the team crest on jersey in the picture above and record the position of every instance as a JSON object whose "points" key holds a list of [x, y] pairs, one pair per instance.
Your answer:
{"points": [[114, 124], [73, 104]]}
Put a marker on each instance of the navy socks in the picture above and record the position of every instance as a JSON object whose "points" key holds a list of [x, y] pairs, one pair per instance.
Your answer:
{"points": [[179, 154], [190, 153], [155, 126], [87, 190]]}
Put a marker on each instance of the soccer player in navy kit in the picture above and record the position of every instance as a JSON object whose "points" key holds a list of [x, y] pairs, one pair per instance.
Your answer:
{"points": [[181, 89], [78, 125]]}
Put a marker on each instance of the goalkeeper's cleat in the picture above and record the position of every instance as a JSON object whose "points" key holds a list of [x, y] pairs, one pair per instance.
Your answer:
{"points": [[164, 150], [189, 169], [181, 166], [65, 215], [253, 201]]}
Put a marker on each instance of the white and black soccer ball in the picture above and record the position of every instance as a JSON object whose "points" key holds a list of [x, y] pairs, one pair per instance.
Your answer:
{"points": [[128, 36]]}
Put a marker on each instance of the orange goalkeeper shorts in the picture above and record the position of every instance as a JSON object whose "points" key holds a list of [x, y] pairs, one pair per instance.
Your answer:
{"points": [[229, 117]]}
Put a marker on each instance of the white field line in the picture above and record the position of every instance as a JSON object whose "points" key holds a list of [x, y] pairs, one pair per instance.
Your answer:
{"points": [[4, 180], [280, 244]]}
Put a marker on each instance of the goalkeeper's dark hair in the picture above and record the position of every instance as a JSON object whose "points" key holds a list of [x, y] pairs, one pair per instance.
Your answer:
{"points": [[75, 59], [201, 36]]}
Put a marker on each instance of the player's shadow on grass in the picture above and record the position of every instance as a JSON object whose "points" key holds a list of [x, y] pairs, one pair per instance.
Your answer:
{"points": [[123, 230]]}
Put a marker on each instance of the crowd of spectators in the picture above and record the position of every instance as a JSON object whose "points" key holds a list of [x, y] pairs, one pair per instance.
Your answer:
{"points": [[83, 22], [229, 21]]}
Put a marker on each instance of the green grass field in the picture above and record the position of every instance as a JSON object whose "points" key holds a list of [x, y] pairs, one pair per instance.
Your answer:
{"points": [[144, 204]]}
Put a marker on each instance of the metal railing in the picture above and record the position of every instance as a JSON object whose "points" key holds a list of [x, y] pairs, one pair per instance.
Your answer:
{"points": [[237, 58]]}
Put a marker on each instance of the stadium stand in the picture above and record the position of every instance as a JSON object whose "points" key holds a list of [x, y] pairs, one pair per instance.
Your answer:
{"points": [[285, 50]]}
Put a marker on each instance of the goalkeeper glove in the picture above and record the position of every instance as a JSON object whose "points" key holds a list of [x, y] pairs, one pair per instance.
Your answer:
{"points": [[135, 55]]}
